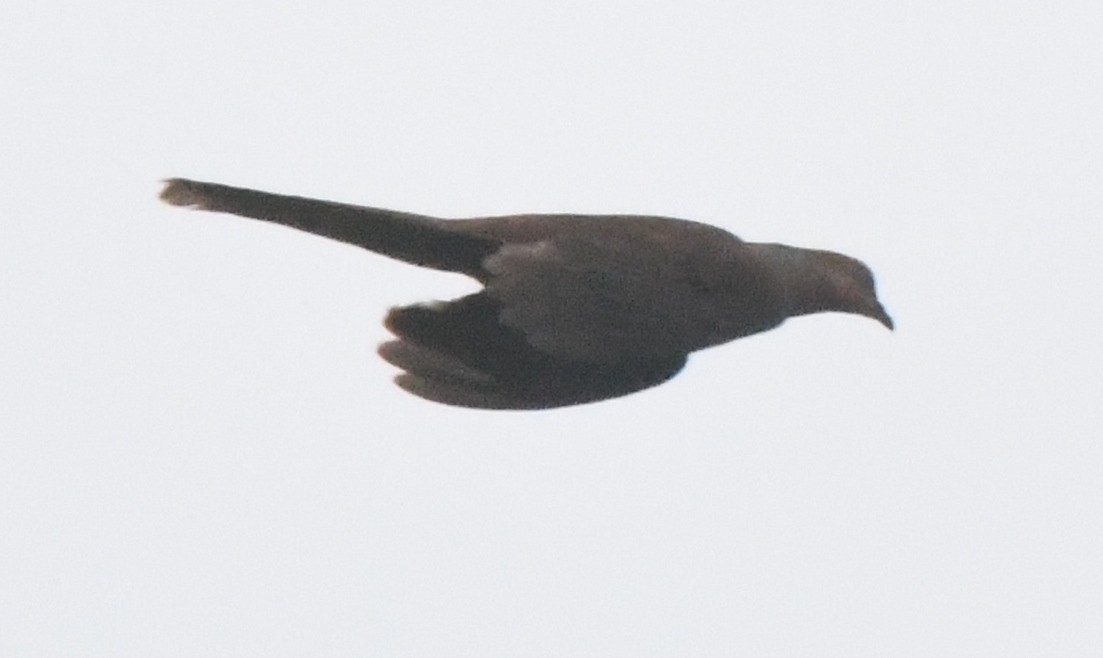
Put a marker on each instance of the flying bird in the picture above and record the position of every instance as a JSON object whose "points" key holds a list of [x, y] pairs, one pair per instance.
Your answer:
{"points": [[574, 308]]}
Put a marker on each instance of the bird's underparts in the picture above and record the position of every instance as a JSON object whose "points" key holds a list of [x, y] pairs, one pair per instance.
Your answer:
{"points": [[574, 308]]}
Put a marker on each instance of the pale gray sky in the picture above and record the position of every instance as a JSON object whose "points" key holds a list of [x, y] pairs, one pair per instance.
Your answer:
{"points": [[200, 453]]}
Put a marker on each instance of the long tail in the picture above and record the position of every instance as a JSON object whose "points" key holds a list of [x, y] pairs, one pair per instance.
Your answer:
{"points": [[417, 239]]}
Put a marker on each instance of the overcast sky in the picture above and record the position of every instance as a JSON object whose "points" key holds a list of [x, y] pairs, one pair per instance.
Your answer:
{"points": [[201, 455]]}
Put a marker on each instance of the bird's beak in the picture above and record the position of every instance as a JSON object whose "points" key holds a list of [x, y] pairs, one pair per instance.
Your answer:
{"points": [[878, 313]]}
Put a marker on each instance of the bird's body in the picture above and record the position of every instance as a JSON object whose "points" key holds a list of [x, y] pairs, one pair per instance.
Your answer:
{"points": [[575, 308]]}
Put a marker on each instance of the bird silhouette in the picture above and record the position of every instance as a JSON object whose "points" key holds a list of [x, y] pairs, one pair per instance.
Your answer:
{"points": [[574, 308]]}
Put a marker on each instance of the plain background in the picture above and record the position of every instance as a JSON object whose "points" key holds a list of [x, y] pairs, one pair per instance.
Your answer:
{"points": [[201, 455]]}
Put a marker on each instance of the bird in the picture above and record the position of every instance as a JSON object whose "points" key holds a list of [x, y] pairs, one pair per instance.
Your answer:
{"points": [[573, 308]]}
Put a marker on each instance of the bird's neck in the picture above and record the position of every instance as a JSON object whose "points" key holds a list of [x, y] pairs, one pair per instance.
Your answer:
{"points": [[805, 287]]}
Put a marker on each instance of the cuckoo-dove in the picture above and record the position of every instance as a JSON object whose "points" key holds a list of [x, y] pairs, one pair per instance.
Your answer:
{"points": [[574, 308]]}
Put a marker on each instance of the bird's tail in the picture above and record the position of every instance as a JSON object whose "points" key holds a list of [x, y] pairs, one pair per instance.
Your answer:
{"points": [[417, 239]]}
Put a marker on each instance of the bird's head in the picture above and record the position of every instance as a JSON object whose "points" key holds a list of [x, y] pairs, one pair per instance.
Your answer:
{"points": [[849, 285], [817, 280]]}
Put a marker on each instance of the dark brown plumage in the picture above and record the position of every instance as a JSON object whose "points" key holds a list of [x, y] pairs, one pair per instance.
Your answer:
{"points": [[574, 308]]}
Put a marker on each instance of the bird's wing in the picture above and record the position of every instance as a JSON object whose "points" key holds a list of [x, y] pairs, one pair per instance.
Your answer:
{"points": [[417, 239], [614, 298], [460, 353]]}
